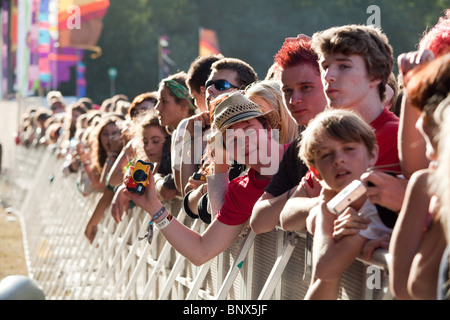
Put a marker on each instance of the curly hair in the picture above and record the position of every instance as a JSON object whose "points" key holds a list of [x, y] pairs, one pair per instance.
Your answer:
{"points": [[150, 119]]}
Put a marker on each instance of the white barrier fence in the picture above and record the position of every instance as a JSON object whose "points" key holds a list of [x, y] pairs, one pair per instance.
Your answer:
{"points": [[274, 265]]}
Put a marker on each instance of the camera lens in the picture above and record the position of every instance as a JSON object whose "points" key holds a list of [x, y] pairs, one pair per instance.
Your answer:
{"points": [[140, 175]]}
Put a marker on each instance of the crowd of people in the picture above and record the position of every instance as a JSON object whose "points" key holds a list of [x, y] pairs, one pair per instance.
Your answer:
{"points": [[238, 151]]}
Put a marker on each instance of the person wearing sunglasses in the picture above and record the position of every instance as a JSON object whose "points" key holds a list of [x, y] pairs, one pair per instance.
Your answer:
{"points": [[225, 76], [198, 74], [221, 85], [228, 74]]}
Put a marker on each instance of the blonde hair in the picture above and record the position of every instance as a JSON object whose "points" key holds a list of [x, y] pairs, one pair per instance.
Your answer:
{"points": [[270, 91], [340, 124]]}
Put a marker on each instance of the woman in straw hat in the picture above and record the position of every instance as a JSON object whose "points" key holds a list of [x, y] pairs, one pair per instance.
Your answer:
{"points": [[234, 115]]}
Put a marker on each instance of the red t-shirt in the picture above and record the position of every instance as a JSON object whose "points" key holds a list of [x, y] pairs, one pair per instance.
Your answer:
{"points": [[241, 196], [386, 127]]}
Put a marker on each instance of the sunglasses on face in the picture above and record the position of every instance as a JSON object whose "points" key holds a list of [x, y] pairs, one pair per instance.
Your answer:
{"points": [[220, 85]]}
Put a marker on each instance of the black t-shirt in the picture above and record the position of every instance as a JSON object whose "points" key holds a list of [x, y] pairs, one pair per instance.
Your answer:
{"points": [[290, 171]]}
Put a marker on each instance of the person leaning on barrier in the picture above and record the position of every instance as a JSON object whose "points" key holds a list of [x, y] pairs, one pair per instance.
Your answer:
{"points": [[232, 112], [105, 149], [141, 104], [151, 144], [226, 75], [198, 74], [418, 240], [55, 102], [300, 82], [356, 62], [434, 43], [339, 147], [174, 105]]}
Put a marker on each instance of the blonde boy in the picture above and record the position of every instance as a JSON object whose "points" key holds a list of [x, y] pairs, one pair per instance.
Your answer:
{"points": [[339, 147]]}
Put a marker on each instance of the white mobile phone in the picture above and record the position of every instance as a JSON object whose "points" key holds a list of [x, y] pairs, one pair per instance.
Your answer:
{"points": [[343, 199]]}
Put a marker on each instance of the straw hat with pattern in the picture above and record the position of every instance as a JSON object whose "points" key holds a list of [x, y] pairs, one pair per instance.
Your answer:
{"points": [[237, 108]]}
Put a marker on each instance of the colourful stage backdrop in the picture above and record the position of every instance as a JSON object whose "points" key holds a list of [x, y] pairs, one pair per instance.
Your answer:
{"points": [[44, 39]]}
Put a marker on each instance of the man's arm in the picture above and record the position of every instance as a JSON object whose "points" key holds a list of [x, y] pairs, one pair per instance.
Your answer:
{"points": [[266, 212]]}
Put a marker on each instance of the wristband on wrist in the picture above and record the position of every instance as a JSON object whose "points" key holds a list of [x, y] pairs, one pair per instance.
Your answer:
{"points": [[149, 234], [159, 213], [165, 222]]}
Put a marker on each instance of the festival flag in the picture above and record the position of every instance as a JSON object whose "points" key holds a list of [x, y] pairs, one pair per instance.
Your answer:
{"points": [[163, 59], [44, 45], [24, 10], [33, 44], [209, 44], [81, 80], [5, 49]]}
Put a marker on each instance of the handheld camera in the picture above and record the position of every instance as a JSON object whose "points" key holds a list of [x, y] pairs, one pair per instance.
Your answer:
{"points": [[198, 176], [139, 177], [343, 199]]}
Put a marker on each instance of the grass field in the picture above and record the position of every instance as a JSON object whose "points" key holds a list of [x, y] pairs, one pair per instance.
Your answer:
{"points": [[12, 258]]}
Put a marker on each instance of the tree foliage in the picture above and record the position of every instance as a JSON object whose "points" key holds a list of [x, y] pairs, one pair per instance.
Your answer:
{"points": [[252, 30]]}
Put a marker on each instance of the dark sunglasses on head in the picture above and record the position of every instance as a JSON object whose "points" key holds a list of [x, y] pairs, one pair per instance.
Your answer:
{"points": [[220, 84]]}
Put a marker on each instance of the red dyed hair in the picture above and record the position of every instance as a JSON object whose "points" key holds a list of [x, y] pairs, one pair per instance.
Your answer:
{"points": [[438, 38], [296, 51]]}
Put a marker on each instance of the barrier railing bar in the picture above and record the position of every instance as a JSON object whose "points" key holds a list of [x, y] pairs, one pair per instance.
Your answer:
{"points": [[130, 258], [93, 258], [237, 264], [63, 250], [108, 254], [198, 281], [136, 272], [176, 268], [278, 268], [115, 262], [156, 270]]}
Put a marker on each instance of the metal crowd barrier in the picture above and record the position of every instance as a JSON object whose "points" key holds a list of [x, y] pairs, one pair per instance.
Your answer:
{"points": [[274, 265]]}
